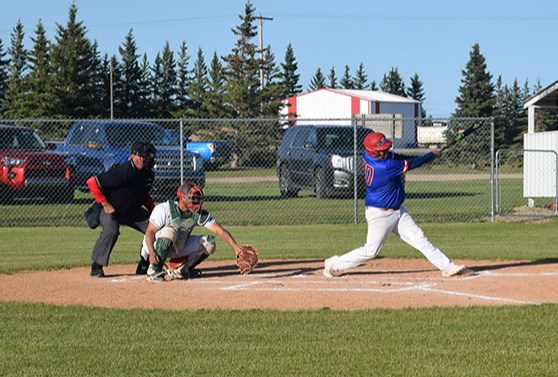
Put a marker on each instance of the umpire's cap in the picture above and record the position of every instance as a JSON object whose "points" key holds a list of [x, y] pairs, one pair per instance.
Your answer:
{"points": [[144, 149]]}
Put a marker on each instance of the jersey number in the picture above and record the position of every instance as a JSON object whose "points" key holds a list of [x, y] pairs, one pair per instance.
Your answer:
{"points": [[368, 173]]}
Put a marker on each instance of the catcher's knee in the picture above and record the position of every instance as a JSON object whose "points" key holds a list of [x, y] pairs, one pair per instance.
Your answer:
{"points": [[208, 244], [168, 232]]}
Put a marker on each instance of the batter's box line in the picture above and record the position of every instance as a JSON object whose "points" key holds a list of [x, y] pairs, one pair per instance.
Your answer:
{"points": [[481, 297], [518, 274]]}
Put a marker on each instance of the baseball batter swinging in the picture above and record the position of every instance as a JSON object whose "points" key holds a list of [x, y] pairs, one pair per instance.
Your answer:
{"points": [[385, 193], [168, 236]]}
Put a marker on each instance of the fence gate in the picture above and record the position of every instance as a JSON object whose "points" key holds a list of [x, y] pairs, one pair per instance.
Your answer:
{"points": [[526, 183]]}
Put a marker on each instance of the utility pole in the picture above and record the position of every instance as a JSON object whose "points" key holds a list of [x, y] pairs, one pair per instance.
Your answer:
{"points": [[262, 18], [111, 93]]}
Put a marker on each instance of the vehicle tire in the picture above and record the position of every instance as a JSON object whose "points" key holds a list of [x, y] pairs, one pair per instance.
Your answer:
{"points": [[285, 183], [320, 185]]}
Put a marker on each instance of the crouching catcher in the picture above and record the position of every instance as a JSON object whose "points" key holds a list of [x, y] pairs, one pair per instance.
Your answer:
{"points": [[169, 251]]}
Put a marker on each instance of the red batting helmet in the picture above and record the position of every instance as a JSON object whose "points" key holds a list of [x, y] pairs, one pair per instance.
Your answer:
{"points": [[194, 195], [375, 142]]}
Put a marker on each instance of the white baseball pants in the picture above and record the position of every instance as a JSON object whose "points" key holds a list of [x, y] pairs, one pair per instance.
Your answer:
{"points": [[382, 222]]}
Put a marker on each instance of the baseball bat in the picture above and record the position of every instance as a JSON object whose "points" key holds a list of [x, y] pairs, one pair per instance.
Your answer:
{"points": [[462, 135]]}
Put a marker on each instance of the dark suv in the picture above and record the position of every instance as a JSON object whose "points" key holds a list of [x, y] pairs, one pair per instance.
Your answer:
{"points": [[321, 158], [29, 167]]}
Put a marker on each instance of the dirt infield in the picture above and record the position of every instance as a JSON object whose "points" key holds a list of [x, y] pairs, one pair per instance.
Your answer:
{"points": [[294, 285]]}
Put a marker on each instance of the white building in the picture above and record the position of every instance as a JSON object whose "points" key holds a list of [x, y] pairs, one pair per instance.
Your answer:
{"points": [[336, 106], [540, 168]]}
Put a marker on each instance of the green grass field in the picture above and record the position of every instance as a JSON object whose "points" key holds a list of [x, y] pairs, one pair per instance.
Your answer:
{"points": [[47, 340]]}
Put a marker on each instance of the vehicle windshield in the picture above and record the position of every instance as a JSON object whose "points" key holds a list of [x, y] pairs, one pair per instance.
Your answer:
{"points": [[341, 138], [20, 139], [126, 136]]}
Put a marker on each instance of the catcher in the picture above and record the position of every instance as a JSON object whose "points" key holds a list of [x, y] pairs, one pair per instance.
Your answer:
{"points": [[168, 237]]}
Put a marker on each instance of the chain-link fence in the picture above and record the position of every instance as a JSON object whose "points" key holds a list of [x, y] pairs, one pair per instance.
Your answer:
{"points": [[243, 185]]}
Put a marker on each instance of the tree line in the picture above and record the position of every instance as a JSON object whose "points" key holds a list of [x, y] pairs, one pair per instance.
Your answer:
{"points": [[69, 78]]}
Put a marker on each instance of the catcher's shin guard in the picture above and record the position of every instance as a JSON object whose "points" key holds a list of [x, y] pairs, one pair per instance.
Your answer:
{"points": [[162, 246], [200, 258]]}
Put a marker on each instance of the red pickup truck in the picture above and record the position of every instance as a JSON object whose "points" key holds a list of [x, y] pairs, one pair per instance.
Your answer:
{"points": [[30, 168]]}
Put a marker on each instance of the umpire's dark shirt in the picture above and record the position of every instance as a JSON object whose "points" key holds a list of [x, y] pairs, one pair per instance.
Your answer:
{"points": [[125, 186]]}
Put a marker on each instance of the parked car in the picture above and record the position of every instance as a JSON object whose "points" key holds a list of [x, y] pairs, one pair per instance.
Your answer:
{"points": [[214, 153], [321, 158], [95, 146], [29, 167]]}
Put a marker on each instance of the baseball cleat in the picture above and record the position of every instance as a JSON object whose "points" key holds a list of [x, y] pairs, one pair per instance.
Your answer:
{"points": [[154, 275], [328, 269], [456, 270]]}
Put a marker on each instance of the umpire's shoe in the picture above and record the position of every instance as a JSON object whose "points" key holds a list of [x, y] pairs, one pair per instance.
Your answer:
{"points": [[97, 270]]}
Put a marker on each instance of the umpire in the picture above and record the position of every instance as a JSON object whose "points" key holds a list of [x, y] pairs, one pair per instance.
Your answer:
{"points": [[123, 191]]}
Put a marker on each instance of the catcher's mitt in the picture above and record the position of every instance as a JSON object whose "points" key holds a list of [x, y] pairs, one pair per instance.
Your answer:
{"points": [[247, 259]]}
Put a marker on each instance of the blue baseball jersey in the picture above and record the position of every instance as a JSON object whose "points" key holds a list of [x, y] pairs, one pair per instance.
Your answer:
{"points": [[384, 184]]}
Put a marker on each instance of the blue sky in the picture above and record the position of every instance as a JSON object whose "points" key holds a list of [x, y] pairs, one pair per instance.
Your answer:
{"points": [[431, 38]]}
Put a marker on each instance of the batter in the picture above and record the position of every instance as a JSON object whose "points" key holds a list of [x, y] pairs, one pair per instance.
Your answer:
{"points": [[385, 193]]}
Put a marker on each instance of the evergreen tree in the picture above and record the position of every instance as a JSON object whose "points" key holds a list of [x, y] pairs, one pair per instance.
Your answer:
{"points": [[4, 62], [373, 85], [289, 77], [16, 105], [105, 97], [164, 83], [332, 78], [317, 81], [476, 99], [393, 83], [40, 77], [198, 87], [73, 64], [243, 68], [476, 94], [215, 99], [347, 80], [360, 78], [416, 92], [183, 80], [128, 90]]}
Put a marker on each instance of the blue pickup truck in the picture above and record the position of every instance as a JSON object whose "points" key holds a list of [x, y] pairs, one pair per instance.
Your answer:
{"points": [[93, 146], [214, 153]]}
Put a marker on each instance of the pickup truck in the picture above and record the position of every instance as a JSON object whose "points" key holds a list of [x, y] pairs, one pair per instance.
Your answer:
{"points": [[94, 146], [29, 167], [214, 153]]}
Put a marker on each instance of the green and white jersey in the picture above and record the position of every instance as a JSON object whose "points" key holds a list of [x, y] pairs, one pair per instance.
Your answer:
{"points": [[168, 214]]}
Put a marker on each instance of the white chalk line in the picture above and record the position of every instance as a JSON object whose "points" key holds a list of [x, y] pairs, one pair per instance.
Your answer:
{"points": [[482, 297], [518, 274], [386, 284]]}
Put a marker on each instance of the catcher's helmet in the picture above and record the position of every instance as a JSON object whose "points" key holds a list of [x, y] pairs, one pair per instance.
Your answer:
{"points": [[375, 142], [194, 195]]}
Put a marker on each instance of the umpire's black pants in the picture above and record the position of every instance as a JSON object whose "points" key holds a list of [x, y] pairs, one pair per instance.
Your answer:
{"points": [[138, 220]]}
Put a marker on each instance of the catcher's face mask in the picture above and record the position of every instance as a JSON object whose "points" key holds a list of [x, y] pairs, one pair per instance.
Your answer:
{"points": [[193, 194]]}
